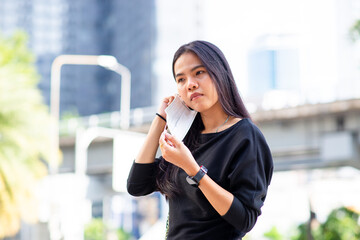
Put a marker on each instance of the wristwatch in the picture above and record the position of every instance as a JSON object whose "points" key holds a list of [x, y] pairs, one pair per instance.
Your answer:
{"points": [[194, 181]]}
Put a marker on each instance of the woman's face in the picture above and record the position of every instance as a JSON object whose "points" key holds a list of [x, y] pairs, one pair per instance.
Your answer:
{"points": [[194, 84]]}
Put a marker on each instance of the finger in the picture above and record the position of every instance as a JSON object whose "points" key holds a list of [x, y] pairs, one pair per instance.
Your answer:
{"points": [[161, 109], [164, 104], [166, 100], [168, 143], [165, 147], [162, 139], [170, 138], [166, 140], [170, 100]]}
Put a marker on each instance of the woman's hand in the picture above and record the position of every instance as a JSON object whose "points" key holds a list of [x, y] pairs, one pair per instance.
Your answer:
{"points": [[175, 152], [164, 104], [178, 154]]}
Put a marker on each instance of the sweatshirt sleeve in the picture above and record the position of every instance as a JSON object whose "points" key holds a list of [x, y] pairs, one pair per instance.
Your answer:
{"points": [[249, 177], [142, 179]]}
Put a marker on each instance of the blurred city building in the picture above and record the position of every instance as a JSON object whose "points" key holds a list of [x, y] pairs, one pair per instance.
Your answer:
{"points": [[124, 29], [288, 53]]}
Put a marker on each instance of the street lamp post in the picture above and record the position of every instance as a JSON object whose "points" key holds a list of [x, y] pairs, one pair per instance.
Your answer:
{"points": [[105, 61]]}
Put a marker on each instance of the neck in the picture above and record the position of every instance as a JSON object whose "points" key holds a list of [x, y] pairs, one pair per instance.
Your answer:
{"points": [[213, 121]]}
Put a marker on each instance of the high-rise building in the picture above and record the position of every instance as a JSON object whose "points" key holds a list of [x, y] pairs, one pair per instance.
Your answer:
{"points": [[124, 29], [273, 69]]}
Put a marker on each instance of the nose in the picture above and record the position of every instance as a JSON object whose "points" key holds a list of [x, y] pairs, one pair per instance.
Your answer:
{"points": [[192, 84]]}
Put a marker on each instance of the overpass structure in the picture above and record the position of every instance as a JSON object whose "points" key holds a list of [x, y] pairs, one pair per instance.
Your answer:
{"points": [[307, 136], [313, 136]]}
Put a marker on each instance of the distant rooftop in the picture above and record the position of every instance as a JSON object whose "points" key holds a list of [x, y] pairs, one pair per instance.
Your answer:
{"points": [[307, 110], [140, 118]]}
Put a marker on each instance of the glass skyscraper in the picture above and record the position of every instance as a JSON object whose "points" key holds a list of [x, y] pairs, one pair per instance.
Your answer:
{"points": [[124, 29]]}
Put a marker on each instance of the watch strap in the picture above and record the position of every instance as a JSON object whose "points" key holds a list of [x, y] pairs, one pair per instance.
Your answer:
{"points": [[194, 181]]}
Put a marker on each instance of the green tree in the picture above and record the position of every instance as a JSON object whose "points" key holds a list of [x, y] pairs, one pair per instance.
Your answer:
{"points": [[273, 234], [341, 224], [355, 31], [97, 230], [24, 130]]}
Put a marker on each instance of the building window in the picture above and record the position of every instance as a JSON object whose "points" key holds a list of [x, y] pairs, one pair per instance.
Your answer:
{"points": [[273, 69]]}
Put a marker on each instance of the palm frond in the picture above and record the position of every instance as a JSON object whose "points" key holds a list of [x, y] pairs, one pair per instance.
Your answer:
{"points": [[24, 134]]}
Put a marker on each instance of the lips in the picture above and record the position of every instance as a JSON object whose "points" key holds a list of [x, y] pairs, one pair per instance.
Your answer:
{"points": [[195, 95]]}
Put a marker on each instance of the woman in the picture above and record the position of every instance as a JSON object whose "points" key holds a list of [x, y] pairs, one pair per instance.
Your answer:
{"points": [[216, 180]]}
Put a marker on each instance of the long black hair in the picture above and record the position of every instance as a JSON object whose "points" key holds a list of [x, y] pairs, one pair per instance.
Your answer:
{"points": [[219, 70]]}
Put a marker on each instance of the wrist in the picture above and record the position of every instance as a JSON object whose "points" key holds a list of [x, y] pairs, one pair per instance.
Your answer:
{"points": [[161, 117], [192, 170], [195, 179], [158, 124]]}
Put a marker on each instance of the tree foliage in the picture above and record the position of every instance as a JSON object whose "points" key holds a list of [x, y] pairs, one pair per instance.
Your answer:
{"points": [[342, 223], [24, 133], [97, 230], [355, 31], [273, 234]]}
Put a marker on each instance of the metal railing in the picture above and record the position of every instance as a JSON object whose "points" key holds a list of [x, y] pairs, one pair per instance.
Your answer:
{"points": [[138, 117]]}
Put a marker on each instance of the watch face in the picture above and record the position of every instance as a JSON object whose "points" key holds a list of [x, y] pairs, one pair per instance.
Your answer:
{"points": [[191, 181]]}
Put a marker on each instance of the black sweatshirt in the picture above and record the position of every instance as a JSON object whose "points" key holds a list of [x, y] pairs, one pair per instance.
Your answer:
{"points": [[239, 160]]}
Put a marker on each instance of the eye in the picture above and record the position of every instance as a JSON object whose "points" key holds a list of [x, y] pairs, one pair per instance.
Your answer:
{"points": [[200, 72], [179, 80]]}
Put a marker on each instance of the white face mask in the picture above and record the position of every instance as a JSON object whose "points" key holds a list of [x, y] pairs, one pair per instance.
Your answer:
{"points": [[179, 118]]}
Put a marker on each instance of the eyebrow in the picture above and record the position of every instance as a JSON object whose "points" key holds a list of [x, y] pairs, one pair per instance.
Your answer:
{"points": [[194, 68]]}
